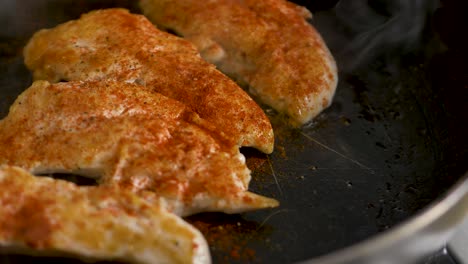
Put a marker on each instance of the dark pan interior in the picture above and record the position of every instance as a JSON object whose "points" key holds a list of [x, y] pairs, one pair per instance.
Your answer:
{"points": [[393, 141]]}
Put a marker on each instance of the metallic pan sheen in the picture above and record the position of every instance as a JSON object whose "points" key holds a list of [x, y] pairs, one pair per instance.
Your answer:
{"points": [[375, 178], [419, 236]]}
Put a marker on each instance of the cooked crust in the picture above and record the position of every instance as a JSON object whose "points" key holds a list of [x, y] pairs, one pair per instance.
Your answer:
{"points": [[267, 45], [43, 216], [130, 136], [114, 44]]}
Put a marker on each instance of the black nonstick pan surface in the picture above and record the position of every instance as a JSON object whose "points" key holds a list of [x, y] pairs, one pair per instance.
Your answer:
{"points": [[393, 142]]}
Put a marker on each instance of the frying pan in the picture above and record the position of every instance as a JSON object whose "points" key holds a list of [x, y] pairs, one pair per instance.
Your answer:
{"points": [[379, 177]]}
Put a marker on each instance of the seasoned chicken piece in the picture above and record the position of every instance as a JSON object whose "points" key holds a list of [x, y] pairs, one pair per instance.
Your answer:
{"points": [[114, 44], [130, 136], [266, 44], [43, 216]]}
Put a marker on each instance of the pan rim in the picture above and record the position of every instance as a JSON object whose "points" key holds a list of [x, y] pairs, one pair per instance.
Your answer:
{"points": [[422, 221]]}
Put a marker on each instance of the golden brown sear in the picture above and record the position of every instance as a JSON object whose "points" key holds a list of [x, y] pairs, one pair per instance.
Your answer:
{"points": [[130, 136], [114, 44], [43, 216], [266, 44]]}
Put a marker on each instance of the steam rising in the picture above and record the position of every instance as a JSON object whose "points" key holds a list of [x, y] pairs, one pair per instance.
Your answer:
{"points": [[371, 28]]}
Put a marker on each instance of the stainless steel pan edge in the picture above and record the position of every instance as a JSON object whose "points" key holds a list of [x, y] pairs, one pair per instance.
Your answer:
{"points": [[410, 241]]}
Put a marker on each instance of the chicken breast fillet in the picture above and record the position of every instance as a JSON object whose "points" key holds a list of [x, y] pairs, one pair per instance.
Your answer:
{"points": [[266, 44], [114, 44], [43, 216], [130, 136]]}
